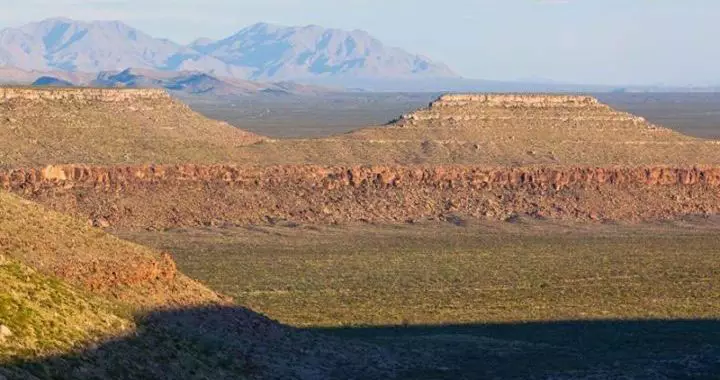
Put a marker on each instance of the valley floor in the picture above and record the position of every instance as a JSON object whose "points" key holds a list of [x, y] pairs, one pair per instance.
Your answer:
{"points": [[527, 298]]}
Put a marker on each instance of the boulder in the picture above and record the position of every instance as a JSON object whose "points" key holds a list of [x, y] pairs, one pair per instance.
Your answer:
{"points": [[5, 333]]}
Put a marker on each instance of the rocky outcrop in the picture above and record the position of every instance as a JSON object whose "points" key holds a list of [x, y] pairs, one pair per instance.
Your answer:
{"points": [[5, 333], [495, 108], [81, 94], [191, 195], [515, 100], [119, 177]]}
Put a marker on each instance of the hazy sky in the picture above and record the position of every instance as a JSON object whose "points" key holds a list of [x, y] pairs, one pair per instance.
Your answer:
{"points": [[580, 41]]}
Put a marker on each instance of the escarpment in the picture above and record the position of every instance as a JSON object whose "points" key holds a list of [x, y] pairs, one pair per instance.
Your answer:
{"points": [[137, 196], [479, 156], [515, 100]]}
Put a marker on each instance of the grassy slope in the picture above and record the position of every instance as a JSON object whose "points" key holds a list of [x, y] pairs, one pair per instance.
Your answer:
{"points": [[163, 131], [48, 316], [62, 246], [512, 136], [60, 332]]}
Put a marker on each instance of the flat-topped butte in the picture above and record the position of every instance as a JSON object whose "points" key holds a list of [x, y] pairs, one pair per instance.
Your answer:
{"points": [[125, 126]]}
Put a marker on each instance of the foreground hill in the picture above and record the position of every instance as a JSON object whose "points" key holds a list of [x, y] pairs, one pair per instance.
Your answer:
{"points": [[62, 247], [45, 316], [76, 303], [103, 126]]}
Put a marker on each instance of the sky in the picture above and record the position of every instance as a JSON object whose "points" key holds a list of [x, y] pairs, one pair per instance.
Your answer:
{"points": [[618, 42]]}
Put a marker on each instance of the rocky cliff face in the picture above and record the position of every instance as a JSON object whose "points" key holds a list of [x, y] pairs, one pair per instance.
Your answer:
{"points": [[550, 111], [137, 196], [82, 95], [515, 100]]}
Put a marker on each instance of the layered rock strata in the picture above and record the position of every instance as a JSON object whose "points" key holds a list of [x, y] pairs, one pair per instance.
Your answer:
{"points": [[81, 94], [194, 195]]}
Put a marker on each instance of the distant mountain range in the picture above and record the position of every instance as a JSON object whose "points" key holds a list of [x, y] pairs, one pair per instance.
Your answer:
{"points": [[66, 52], [261, 52], [179, 83]]}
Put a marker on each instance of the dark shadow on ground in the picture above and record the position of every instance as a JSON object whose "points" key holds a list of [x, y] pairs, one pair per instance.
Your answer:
{"points": [[213, 343], [236, 343], [654, 349]]}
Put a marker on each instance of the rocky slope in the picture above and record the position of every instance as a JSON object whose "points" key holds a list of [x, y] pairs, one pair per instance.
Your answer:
{"points": [[66, 126], [136, 196], [62, 247], [110, 126]]}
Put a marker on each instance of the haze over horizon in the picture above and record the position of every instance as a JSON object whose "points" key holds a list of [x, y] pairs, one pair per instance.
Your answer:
{"points": [[593, 42]]}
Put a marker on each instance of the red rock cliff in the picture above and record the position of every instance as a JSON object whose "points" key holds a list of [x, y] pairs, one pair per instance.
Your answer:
{"points": [[186, 195]]}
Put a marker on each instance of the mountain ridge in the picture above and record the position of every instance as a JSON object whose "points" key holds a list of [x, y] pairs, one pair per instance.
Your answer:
{"points": [[261, 51]]}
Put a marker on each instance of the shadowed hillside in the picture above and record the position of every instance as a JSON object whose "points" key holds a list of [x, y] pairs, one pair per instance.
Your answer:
{"points": [[603, 349]]}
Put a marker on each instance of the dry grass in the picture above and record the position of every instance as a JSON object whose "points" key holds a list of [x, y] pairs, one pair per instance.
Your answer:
{"points": [[47, 316], [528, 299], [36, 133], [434, 274]]}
